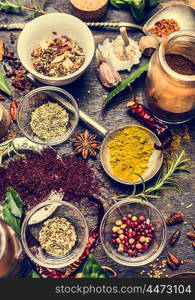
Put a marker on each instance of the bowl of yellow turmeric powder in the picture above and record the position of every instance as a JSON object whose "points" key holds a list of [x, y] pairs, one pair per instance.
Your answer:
{"points": [[128, 154]]}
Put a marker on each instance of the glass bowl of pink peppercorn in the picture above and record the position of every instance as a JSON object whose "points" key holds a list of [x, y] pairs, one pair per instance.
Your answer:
{"points": [[133, 232]]}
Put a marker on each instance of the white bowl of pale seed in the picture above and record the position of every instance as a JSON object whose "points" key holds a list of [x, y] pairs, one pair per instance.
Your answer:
{"points": [[56, 48]]}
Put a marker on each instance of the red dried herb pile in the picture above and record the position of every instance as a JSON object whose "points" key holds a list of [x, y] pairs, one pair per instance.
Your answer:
{"points": [[164, 27], [35, 177]]}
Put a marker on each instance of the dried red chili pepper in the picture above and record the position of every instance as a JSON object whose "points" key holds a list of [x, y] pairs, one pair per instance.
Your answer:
{"points": [[159, 128], [13, 109], [93, 238]]}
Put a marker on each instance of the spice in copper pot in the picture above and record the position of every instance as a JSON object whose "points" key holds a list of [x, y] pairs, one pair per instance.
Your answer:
{"points": [[180, 64], [58, 57], [164, 27]]}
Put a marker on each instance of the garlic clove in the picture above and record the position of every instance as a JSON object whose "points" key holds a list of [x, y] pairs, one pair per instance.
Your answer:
{"points": [[148, 44], [108, 76]]}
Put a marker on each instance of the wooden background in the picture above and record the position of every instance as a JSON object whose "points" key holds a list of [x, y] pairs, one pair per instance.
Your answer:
{"points": [[89, 93]]}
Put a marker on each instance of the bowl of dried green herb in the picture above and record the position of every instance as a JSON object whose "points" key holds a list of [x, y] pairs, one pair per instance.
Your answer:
{"points": [[54, 234], [47, 115]]}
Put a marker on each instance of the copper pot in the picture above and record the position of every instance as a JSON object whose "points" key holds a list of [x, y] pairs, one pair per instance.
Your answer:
{"points": [[10, 251], [4, 121]]}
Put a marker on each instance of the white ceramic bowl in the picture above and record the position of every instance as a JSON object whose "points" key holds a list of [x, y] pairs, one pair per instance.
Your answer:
{"points": [[41, 29]]}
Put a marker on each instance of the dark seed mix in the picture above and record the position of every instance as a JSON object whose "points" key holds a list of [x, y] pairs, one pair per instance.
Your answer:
{"points": [[59, 57], [35, 177]]}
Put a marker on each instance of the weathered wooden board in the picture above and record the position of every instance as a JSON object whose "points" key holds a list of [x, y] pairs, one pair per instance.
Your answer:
{"points": [[89, 94]]}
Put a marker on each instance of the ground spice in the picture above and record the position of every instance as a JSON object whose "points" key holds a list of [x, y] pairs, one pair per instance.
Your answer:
{"points": [[129, 153], [180, 64], [35, 177], [164, 27], [49, 121], [181, 137]]}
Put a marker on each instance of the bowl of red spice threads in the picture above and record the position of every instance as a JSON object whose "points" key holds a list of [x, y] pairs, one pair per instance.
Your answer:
{"points": [[133, 232]]}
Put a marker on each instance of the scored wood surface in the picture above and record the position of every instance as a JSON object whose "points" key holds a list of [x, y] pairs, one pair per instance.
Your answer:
{"points": [[89, 94]]}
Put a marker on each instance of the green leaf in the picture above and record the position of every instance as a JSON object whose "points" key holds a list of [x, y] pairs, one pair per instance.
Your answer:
{"points": [[92, 269], [34, 274], [14, 203], [153, 2], [16, 197], [4, 85], [12, 210], [131, 78], [10, 219], [137, 9]]}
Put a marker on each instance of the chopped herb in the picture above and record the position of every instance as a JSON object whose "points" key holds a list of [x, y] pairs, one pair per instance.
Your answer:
{"points": [[49, 121], [57, 236]]}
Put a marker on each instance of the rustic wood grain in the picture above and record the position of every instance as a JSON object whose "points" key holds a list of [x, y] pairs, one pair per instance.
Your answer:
{"points": [[89, 94]]}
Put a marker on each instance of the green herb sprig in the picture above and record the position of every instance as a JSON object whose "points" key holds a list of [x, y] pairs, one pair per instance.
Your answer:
{"points": [[17, 6], [8, 147], [163, 182], [131, 78]]}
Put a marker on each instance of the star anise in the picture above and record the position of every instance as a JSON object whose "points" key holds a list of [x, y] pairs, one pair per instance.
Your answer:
{"points": [[86, 144]]}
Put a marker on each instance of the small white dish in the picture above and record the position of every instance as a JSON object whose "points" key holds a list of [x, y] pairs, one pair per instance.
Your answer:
{"points": [[41, 29]]}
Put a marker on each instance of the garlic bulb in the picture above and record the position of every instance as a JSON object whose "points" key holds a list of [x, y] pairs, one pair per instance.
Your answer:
{"points": [[113, 53]]}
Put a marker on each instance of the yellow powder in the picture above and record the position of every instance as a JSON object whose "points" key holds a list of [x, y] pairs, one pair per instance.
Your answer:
{"points": [[129, 153], [181, 136]]}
